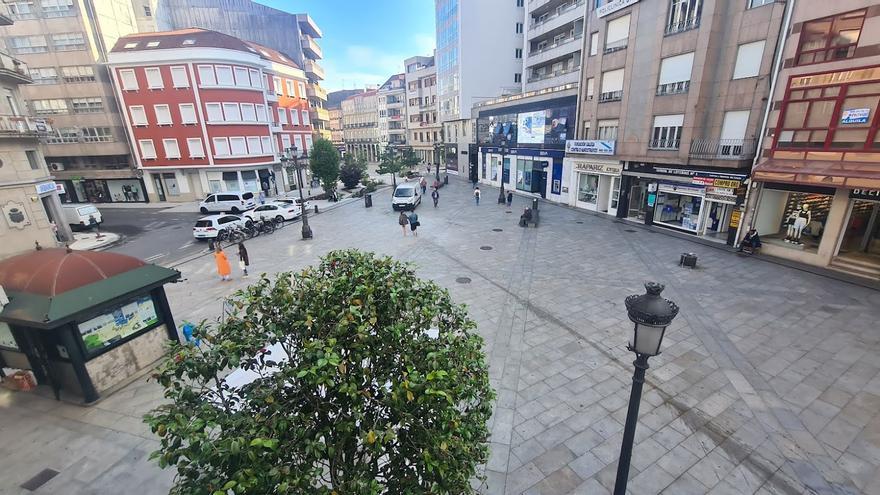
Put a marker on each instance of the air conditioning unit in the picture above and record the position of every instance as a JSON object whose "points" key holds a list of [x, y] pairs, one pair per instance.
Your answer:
{"points": [[56, 166]]}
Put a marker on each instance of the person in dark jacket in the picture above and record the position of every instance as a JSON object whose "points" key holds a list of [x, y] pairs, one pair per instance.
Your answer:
{"points": [[750, 242], [414, 223], [509, 198], [243, 260], [435, 195], [403, 221]]}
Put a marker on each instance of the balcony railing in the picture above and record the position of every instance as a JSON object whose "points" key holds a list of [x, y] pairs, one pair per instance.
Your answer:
{"points": [[615, 46], [723, 149], [682, 26], [20, 126], [610, 96], [548, 75], [315, 91], [557, 13], [14, 69], [559, 43], [664, 144], [674, 88]]}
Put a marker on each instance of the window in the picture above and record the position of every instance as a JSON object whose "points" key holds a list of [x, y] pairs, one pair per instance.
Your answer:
{"points": [[667, 132], [683, 15], [759, 3], [64, 135], [305, 119], [214, 112], [253, 145], [224, 75], [178, 77], [302, 89], [308, 140], [830, 38], [617, 34], [195, 148], [298, 142], [519, 3], [187, 113], [57, 8], [261, 113], [612, 86], [290, 92], [44, 75], [148, 150], [66, 42], [748, 60], [221, 146], [241, 77], [86, 73], [256, 80], [519, 27], [172, 149], [231, 112], [591, 88], [22, 10], [285, 141], [607, 130], [33, 159], [97, 135], [154, 78], [163, 114], [282, 115], [138, 115], [517, 77], [733, 133], [248, 112], [129, 81], [87, 105], [27, 44], [238, 146], [675, 74], [265, 82], [206, 75], [49, 107], [276, 83], [594, 43], [266, 142], [585, 130], [294, 116], [517, 53]]}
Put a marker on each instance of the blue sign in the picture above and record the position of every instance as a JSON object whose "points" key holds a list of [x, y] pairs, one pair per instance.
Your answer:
{"points": [[855, 116], [590, 146]]}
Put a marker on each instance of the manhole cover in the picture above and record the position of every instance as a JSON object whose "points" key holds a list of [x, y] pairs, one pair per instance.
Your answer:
{"points": [[40, 479], [630, 230], [463, 280], [486, 248], [579, 221], [497, 230]]}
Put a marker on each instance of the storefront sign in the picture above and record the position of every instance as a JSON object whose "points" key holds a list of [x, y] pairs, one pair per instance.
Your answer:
{"points": [[735, 217], [60, 188], [855, 116], [639, 168], [613, 6], [722, 191], [680, 189], [721, 198], [870, 194], [729, 184], [589, 147], [46, 187], [704, 181], [599, 168]]}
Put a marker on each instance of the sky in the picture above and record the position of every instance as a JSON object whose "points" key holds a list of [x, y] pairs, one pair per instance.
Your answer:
{"points": [[365, 42]]}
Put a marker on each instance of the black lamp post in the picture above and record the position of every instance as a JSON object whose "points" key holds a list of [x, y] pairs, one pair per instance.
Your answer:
{"points": [[438, 154], [501, 198], [290, 156], [650, 314]]}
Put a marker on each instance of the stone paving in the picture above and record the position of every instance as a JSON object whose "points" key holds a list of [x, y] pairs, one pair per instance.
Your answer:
{"points": [[769, 382]]}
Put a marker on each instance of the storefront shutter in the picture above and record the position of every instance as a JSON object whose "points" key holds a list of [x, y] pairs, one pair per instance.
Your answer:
{"points": [[612, 81], [669, 121], [677, 68], [618, 30]]}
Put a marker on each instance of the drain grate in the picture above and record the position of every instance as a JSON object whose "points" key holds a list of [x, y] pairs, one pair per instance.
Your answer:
{"points": [[497, 230], [579, 221], [508, 211], [39, 480], [486, 248], [630, 230], [463, 280]]}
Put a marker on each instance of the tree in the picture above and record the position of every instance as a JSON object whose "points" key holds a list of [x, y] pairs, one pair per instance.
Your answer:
{"points": [[353, 170], [391, 162], [324, 162], [386, 389], [411, 160]]}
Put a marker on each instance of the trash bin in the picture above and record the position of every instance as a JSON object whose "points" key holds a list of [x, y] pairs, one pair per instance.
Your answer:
{"points": [[368, 200], [688, 259], [446, 179]]}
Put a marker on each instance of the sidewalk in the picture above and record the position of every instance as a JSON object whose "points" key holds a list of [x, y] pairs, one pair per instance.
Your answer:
{"points": [[89, 241]]}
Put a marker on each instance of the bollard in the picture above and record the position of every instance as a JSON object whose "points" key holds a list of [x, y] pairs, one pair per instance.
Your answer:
{"points": [[368, 200], [446, 179], [534, 204], [316, 209]]}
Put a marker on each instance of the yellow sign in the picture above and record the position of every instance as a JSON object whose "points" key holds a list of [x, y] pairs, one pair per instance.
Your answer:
{"points": [[731, 184], [735, 217]]}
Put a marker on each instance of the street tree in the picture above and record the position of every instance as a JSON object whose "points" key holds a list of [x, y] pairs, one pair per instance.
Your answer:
{"points": [[391, 162], [324, 162], [353, 170], [361, 379]]}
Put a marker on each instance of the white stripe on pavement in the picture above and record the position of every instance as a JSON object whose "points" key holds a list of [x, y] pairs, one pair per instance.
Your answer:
{"points": [[188, 244], [155, 257]]}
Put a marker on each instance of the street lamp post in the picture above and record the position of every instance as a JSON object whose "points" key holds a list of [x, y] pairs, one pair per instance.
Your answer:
{"points": [[437, 148], [650, 314], [291, 156], [501, 198]]}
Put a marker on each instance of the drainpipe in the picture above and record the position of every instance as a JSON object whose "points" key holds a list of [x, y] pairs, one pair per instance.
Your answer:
{"points": [[774, 78]]}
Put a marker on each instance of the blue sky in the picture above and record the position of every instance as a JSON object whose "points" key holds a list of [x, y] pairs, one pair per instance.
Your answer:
{"points": [[366, 41]]}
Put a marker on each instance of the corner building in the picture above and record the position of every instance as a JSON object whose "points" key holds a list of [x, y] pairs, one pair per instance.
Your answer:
{"points": [[672, 97], [208, 113]]}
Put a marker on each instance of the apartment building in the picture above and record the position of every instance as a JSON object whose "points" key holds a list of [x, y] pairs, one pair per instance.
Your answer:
{"points": [[337, 137], [28, 197], [423, 129], [360, 125], [210, 113], [294, 35], [64, 43], [672, 99], [554, 38], [391, 103], [815, 196]]}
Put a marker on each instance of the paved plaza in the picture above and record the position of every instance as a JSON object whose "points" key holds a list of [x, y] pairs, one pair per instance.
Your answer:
{"points": [[769, 381]]}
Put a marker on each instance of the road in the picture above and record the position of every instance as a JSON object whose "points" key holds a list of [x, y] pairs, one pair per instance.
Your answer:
{"points": [[154, 235]]}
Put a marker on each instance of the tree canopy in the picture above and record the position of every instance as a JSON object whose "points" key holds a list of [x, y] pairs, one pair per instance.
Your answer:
{"points": [[324, 162], [353, 170]]}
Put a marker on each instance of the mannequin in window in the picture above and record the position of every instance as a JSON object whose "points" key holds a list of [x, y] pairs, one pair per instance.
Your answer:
{"points": [[800, 218]]}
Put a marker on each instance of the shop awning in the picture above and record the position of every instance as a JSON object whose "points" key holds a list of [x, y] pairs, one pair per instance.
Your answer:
{"points": [[852, 175]]}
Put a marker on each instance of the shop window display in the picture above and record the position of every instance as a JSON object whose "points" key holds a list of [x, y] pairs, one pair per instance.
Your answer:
{"points": [[678, 210], [793, 219], [588, 188], [524, 177]]}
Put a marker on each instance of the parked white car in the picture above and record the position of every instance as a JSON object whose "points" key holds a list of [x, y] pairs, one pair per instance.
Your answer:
{"points": [[406, 197], [79, 216], [210, 226], [275, 210], [290, 201], [230, 201]]}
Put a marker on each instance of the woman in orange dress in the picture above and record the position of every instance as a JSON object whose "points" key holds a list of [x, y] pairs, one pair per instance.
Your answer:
{"points": [[223, 268]]}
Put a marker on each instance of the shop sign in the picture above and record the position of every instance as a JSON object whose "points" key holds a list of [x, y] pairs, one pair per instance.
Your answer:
{"points": [[721, 198], [723, 191], [735, 217], [680, 189], [599, 168], [589, 146], [613, 6], [60, 188], [729, 184], [704, 181], [871, 194], [46, 187], [855, 116]]}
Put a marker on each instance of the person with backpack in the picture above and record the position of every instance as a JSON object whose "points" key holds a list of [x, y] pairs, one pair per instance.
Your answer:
{"points": [[435, 195], [403, 221], [414, 223]]}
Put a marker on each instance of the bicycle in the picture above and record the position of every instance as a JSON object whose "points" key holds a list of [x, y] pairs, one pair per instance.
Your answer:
{"points": [[264, 226]]}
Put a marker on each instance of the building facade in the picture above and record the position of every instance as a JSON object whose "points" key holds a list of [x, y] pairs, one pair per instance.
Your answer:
{"points": [[360, 125], [210, 113], [28, 197], [816, 191], [672, 99], [459, 139], [336, 135], [554, 38], [391, 103], [423, 128], [64, 45]]}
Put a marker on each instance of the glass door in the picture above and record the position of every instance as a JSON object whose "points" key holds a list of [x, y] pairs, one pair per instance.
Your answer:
{"points": [[637, 201], [862, 234], [614, 197], [160, 189]]}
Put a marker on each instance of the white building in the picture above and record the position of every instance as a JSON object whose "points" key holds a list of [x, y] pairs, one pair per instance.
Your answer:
{"points": [[554, 40], [422, 125], [391, 102]]}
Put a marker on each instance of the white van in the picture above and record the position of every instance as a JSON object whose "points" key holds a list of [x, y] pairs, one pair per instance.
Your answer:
{"points": [[406, 197], [80, 216], [233, 201]]}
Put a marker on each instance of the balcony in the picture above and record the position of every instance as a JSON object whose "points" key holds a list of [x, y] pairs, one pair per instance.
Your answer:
{"points": [[664, 144], [14, 70], [320, 114], [310, 47], [19, 126], [307, 26], [557, 19], [560, 72], [723, 149], [682, 26], [317, 92], [274, 127], [6, 18], [271, 96], [324, 133], [615, 46], [314, 70], [674, 88], [610, 96], [555, 50]]}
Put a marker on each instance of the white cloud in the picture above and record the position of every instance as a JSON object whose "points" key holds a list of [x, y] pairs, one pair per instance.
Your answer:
{"points": [[363, 64]]}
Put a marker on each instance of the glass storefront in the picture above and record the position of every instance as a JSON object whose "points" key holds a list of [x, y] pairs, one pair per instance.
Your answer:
{"points": [[525, 176], [862, 235], [678, 210], [103, 191], [791, 218], [588, 188]]}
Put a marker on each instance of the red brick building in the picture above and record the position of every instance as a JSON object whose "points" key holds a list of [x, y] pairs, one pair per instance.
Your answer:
{"points": [[207, 112]]}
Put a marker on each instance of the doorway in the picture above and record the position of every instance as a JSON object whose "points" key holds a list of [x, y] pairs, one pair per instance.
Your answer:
{"points": [[160, 188], [861, 239], [614, 197], [716, 218], [637, 200]]}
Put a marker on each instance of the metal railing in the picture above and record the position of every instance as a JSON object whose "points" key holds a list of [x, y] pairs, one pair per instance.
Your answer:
{"points": [[14, 67], [615, 46], [519, 96], [610, 96], [548, 75], [563, 41], [664, 144], [555, 14], [21, 125], [682, 26], [723, 149], [674, 88]]}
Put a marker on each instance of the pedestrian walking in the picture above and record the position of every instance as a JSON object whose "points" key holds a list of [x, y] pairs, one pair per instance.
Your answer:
{"points": [[435, 195], [262, 198], [243, 260], [222, 261], [414, 223], [403, 221], [424, 184], [436, 184], [509, 198], [477, 195]]}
